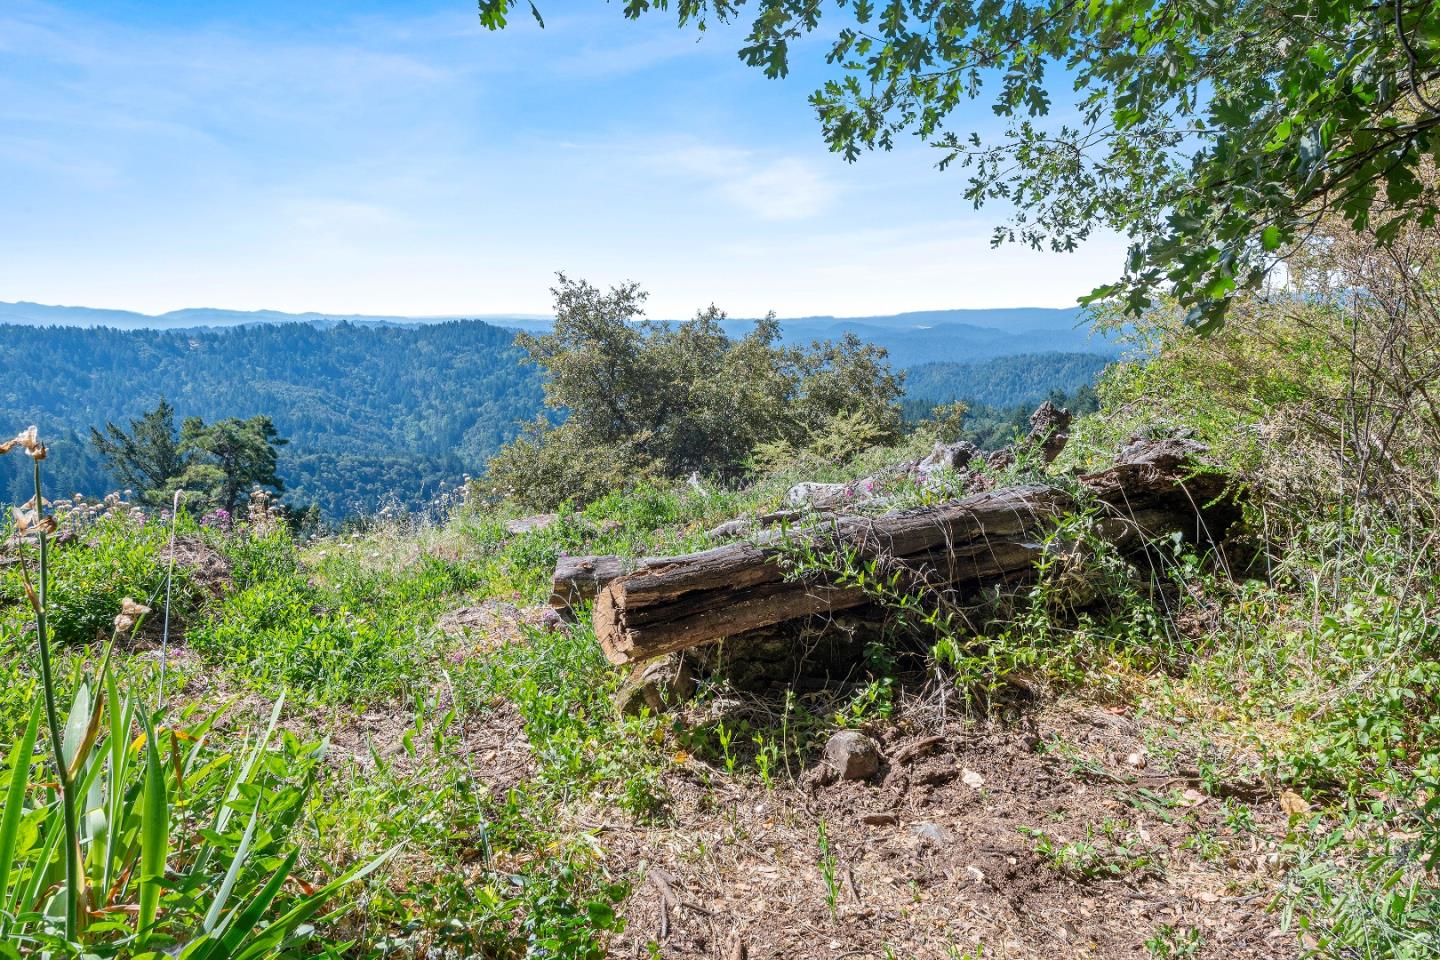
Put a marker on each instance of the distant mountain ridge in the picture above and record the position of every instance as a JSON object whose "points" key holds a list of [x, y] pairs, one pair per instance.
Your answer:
{"points": [[30, 314], [926, 336], [25, 313]]}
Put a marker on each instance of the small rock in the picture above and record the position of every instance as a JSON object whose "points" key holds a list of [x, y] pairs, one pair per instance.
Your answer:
{"points": [[852, 755], [731, 528], [815, 494], [931, 834], [948, 456], [530, 524], [972, 779]]}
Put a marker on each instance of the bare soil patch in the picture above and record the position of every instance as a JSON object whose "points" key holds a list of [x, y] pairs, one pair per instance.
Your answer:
{"points": [[495, 623], [945, 851]]}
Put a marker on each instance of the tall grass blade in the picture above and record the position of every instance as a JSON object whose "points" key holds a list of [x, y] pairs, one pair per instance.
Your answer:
{"points": [[154, 832], [247, 768], [169, 580], [29, 890], [247, 919], [20, 757], [119, 768], [287, 923], [217, 906]]}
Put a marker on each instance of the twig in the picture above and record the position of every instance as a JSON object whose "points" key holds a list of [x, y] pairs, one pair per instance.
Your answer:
{"points": [[169, 580], [916, 749]]}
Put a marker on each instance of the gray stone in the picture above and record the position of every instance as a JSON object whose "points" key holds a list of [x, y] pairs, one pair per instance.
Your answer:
{"points": [[931, 834], [852, 755], [815, 494], [948, 456]]}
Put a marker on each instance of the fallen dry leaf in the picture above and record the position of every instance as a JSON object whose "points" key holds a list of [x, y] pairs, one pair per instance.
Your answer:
{"points": [[1293, 804]]}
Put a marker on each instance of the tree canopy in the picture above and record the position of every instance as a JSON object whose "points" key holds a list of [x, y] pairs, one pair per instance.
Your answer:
{"points": [[228, 458], [148, 456], [216, 462], [641, 397], [1212, 134]]}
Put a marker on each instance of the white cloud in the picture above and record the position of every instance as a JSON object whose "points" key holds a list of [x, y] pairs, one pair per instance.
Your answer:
{"points": [[418, 164], [766, 188]]}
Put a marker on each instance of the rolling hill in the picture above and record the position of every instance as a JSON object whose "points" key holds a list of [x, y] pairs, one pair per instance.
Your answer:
{"points": [[382, 409]]}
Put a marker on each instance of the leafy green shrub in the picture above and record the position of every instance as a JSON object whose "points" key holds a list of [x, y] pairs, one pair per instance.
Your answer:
{"points": [[116, 558], [643, 400], [278, 634], [257, 556]]}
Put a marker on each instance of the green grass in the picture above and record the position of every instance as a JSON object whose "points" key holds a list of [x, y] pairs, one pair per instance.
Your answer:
{"points": [[1322, 675]]}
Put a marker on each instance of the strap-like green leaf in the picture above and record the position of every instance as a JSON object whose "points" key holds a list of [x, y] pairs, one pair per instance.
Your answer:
{"points": [[20, 756], [311, 905], [154, 832], [243, 924]]}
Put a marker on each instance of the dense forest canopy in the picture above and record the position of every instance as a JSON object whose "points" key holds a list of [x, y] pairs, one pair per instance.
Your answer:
{"points": [[373, 414], [1003, 381]]}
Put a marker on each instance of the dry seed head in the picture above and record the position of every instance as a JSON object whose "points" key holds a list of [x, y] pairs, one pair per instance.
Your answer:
{"points": [[130, 612], [27, 523], [29, 439]]}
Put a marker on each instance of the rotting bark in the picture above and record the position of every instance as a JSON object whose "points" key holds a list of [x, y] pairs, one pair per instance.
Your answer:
{"points": [[990, 538], [577, 580]]}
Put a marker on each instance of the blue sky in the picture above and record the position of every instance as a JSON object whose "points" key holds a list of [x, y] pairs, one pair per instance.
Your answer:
{"points": [[375, 157]]}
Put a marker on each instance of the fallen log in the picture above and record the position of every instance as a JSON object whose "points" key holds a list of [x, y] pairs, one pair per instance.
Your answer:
{"points": [[989, 538], [577, 580]]}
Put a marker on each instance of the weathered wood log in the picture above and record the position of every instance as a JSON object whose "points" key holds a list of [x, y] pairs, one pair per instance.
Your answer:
{"points": [[577, 580], [989, 538], [747, 526]]}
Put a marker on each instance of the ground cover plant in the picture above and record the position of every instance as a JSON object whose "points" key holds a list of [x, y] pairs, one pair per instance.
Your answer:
{"points": [[381, 743]]}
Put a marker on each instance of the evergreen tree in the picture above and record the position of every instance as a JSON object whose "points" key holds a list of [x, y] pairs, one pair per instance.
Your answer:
{"points": [[228, 458], [147, 457]]}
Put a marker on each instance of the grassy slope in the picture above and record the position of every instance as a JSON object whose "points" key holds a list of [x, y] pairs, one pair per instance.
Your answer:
{"points": [[1164, 797]]}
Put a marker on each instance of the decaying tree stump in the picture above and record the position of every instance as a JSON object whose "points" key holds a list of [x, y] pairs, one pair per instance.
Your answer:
{"points": [[994, 537]]}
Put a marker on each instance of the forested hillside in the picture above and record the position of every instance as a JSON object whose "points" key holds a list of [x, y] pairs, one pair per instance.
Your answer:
{"points": [[372, 413], [1003, 381]]}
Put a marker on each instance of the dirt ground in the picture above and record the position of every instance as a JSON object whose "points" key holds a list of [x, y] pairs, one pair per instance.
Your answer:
{"points": [[1070, 832], [942, 855]]}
